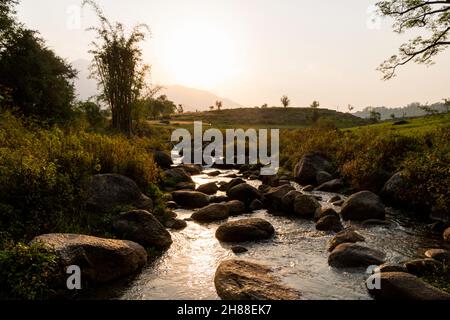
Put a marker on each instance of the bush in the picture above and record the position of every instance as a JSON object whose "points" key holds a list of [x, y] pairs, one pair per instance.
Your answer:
{"points": [[27, 272], [42, 173]]}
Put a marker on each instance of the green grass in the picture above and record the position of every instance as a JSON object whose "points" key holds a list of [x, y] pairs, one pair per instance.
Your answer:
{"points": [[420, 125], [268, 118]]}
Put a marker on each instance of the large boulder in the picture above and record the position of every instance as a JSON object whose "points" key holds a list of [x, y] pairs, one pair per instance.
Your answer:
{"points": [[162, 159], [245, 230], [208, 188], [235, 207], [234, 182], [142, 227], [306, 170], [421, 267], [100, 260], [306, 206], [395, 189], [405, 286], [190, 199], [192, 169], [244, 192], [271, 180], [345, 236], [350, 255], [274, 196], [212, 212], [441, 255], [245, 280], [108, 191], [362, 206]]}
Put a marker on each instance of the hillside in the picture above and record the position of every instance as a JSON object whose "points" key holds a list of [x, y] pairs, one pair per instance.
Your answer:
{"points": [[271, 117], [411, 110]]}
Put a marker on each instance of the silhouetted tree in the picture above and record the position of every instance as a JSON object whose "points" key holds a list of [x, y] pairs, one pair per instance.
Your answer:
{"points": [[447, 104], [118, 67], [33, 79], [315, 105], [350, 108], [285, 101], [375, 116], [219, 105], [425, 15]]}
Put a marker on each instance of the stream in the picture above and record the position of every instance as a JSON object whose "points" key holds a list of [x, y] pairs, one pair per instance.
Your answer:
{"points": [[297, 254]]}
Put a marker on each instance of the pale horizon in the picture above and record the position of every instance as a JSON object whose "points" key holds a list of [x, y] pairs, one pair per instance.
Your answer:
{"points": [[254, 52]]}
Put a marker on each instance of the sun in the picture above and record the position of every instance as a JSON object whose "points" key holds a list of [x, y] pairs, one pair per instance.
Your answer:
{"points": [[199, 57]]}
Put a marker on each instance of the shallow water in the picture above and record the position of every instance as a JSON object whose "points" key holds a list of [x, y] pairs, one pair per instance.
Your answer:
{"points": [[297, 254]]}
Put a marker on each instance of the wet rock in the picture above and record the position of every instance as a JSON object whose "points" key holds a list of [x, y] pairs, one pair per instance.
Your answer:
{"points": [[284, 182], [256, 205], [223, 186], [362, 206], [142, 227], [334, 199], [287, 202], [177, 175], [323, 176], [345, 236], [213, 173], [306, 170], [218, 199], [305, 206], [404, 286], [245, 230], [323, 212], [253, 177], [163, 159], [171, 205], [185, 186], [420, 267], [108, 191], [245, 280], [390, 267], [208, 188], [273, 197], [446, 234], [350, 255], [231, 175], [335, 185], [439, 255], [338, 203], [264, 188], [239, 249], [102, 260], [272, 180], [210, 213], [190, 199], [192, 169], [234, 182], [235, 207], [329, 223], [176, 224], [244, 192], [308, 188]]}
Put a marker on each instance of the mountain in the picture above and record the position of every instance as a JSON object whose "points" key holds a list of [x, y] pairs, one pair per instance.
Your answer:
{"points": [[194, 99], [411, 110]]}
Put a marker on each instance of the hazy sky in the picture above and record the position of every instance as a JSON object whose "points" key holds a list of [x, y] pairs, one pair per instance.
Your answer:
{"points": [[254, 51]]}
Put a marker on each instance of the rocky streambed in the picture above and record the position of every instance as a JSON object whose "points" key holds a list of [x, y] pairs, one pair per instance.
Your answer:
{"points": [[297, 253]]}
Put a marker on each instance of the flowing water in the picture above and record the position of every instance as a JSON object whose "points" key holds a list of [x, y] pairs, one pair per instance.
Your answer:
{"points": [[297, 254]]}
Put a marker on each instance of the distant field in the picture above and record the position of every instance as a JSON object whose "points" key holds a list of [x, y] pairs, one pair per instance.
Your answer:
{"points": [[268, 118], [413, 125]]}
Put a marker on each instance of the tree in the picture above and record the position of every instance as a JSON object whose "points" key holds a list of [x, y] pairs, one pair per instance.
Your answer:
{"points": [[219, 105], [375, 116], [428, 110], [180, 108], [350, 108], [285, 101], [211, 108], [118, 67], [447, 104], [425, 15], [93, 113], [393, 116], [315, 104], [34, 80], [264, 106]]}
